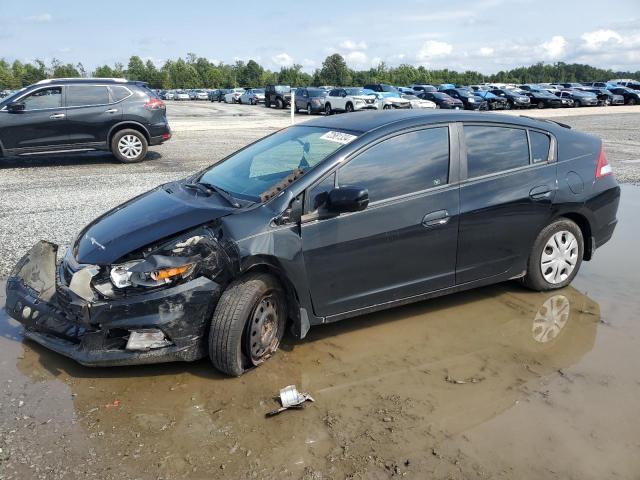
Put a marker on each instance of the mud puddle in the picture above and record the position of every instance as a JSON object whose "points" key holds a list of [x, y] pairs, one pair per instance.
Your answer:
{"points": [[495, 383]]}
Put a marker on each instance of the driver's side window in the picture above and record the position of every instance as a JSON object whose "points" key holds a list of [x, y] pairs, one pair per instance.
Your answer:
{"points": [[45, 98]]}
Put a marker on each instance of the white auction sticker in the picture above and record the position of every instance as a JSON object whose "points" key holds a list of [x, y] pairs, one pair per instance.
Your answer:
{"points": [[338, 137]]}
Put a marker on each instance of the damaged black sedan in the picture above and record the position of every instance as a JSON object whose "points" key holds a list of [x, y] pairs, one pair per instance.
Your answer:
{"points": [[316, 223]]}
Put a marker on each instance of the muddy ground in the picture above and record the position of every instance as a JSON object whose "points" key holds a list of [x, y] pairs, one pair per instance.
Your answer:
{"points": [[495, 383]]}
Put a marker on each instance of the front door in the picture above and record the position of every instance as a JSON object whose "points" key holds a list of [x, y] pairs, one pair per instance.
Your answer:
{"points": [[403, 244], [41, 124]]}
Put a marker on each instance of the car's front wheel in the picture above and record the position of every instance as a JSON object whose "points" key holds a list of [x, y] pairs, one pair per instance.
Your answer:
{"points": [[279, 104], [129, 146], [555, 257], [248, 324]]}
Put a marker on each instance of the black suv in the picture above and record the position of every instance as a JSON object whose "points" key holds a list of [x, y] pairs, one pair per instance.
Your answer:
{"points": [[61, 115], [278, 95]]}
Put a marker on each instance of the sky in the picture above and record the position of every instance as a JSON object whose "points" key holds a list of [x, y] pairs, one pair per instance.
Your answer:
{"points": [[482, 35]]}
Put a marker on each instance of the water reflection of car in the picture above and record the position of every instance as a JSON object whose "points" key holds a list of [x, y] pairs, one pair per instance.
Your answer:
{"points": [[442, 100], [252, 96], [310, 100], [349, 99], [515, 98]]}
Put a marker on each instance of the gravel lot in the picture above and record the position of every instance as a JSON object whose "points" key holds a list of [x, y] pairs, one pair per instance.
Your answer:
{"points": [[52, 197]]}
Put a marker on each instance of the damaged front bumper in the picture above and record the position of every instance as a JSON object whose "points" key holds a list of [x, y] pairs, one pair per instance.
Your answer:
{"points": [[95, 332]]}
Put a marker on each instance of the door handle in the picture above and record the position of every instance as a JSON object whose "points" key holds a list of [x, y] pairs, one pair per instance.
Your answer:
{"points": [[436, 219], [111, 110], [57, 116], [540, 192]]}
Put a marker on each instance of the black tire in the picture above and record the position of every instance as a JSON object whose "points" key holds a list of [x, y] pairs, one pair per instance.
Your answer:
{"points": [[279, 104], [386, 107], [438, 106], [534, 278], [327, 109], [632, 101], [508, 106], [349, 107], [267, 103], [309, 109], [540, 105], [232, 346], [123, 157], [577, 103]]}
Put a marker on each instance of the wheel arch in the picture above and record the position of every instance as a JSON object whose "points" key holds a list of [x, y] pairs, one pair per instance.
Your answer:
{"points": [[585, 228], [128, 124], [266, 265]]}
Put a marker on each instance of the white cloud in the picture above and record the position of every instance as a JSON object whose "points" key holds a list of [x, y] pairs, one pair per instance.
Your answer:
{"points": [[42, 18], [599, 38], [555, 47], [486, 52], [433, 49], [282, 59], [356, 59], [351, 45]]}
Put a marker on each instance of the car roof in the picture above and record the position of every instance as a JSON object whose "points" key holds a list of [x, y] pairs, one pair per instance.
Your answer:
{"points": [[372, 120], [89, 80]]}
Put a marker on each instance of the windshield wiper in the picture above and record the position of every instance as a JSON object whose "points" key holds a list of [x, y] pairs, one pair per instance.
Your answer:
{"points": [[206, 187]]}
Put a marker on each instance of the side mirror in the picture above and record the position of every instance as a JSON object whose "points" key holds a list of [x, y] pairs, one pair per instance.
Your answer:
{"points": [[348, 199], [16, 107]]}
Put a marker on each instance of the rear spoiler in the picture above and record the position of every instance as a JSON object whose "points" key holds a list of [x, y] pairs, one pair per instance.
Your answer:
{"points": [[564, 125]]}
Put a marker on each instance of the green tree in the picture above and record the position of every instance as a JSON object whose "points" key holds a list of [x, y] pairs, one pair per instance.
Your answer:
{"points": [[136, 69], [334, 71], [104, 71]]}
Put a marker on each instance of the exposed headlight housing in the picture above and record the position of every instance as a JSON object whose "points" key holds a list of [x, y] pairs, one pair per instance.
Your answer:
{"points": [[134, 274]]}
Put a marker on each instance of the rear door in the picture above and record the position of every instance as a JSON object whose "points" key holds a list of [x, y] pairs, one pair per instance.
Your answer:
{"points": [[91, 113], [505, 200], [404, 243], [42, 124]]}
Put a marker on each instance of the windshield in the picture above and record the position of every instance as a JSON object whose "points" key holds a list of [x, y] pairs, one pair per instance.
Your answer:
{"points": [[355, 91], [388, 88], [464, 93], [282, 89], [317, 93], [250, 172]]}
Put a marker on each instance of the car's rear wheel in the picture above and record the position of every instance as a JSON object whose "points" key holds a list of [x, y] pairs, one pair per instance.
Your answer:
{"points": [[555, 257], [349, 107], [540, 105], [248, 324], [309, 109], [129, 146], [632, 101], [327, 109], [577, 103]]}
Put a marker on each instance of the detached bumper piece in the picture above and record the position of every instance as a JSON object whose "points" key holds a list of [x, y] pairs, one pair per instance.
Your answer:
{"points": [[162, 325]]}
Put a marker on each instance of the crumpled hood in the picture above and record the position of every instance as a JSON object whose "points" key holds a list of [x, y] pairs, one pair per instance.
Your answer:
{"points": [[152, 216]]}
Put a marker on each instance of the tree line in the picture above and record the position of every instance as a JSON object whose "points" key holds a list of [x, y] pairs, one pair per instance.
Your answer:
{"points": [[198, 72]]}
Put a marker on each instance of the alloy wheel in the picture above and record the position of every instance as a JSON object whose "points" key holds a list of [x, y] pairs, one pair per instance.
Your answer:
{"points": [[130, 147], [559, 257]]}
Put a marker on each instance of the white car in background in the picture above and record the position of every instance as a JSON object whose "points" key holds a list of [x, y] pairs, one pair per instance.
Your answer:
{"points": [[201, 95], [417, 102], [348, 99], [234, 95], [252, 96], [181, 95], [388, 101]]}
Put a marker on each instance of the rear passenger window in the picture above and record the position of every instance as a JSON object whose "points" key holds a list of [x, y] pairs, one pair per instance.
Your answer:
{"points": [[83, 95], [540, 143], [407, 163], [495, 149], [120, 93]]}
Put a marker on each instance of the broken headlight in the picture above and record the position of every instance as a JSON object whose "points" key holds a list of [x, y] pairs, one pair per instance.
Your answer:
{"points": [[148, 273]]}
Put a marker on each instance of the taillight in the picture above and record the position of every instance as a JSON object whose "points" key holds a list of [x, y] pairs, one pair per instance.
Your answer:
{"points": [[154, 104], [602, 167]]}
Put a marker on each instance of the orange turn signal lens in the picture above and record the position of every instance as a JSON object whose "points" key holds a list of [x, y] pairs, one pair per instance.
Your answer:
{"points": [[171, 272]]}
